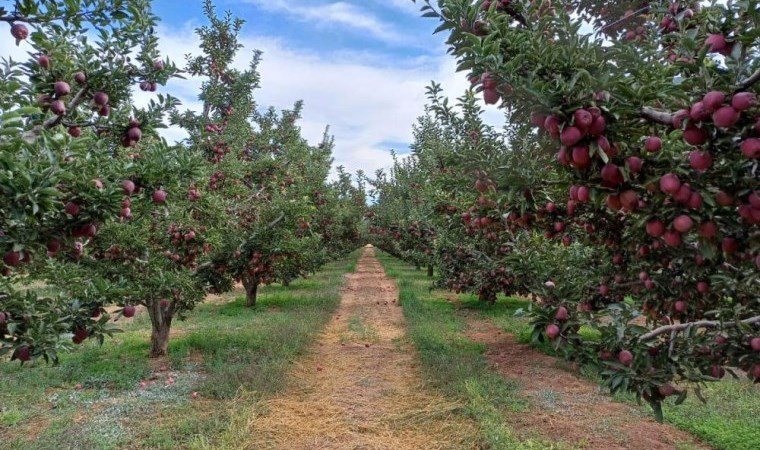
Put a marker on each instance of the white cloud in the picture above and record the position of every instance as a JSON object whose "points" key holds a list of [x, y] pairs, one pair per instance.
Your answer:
{"points": [[366, 101], [336, 13]]}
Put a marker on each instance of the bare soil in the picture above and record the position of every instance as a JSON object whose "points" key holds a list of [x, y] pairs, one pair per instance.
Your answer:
{"points": [[361, 387], [567, 407]]}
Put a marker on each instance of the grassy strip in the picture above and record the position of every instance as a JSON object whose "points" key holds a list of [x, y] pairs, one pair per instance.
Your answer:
{"points": [[226, 352], [728, 421], [455, 364]]}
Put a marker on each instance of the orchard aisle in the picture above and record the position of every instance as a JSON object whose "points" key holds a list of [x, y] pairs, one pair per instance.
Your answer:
{"points": [[361, 387]]}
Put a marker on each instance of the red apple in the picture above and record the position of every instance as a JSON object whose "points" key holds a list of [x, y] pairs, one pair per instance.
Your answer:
{"points": [[655, 228], [598, 126], [611, 174], [713, 100], [72, 209], [57, 107], [582, 119], [551, 125], [683, 223], [653, 144], [159, 197], [672, 238], [580, 157], [43, 61], [134, 134], [23, 353], [129, 311], [61, 88], [19, 31], [128, 186], [725, 117], [694, 136], [490, 96], [699, 112], [717, 371], [666, 390], [570, 136], [100, 98], [12, 258], [716, 43], [625, 357], [751, 148], [700, 160], [729, 245], [634, 164], [743, 101], [670, 183], [552, 331], [583, 194]]}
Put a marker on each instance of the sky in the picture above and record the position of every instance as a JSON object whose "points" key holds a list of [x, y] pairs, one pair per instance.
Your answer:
{"points": [[360, 66]]}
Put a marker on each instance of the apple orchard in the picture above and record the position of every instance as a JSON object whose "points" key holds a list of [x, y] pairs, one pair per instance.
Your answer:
{"points": [[623, 197]]}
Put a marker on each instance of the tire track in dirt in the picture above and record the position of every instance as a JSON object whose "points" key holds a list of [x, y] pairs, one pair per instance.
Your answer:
{"points": [[361, 387], [566, 407]]}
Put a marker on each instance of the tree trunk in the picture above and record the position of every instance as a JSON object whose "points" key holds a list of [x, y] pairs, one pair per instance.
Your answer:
{"points": [[251, 285], [430, 270], [161, 322], [417, 267]]}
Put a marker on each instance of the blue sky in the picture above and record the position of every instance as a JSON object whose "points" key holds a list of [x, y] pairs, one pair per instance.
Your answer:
{"points": [[360, 66]]}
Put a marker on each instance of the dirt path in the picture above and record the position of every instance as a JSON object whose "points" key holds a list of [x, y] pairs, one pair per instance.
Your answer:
{"points": [[568, 407], [361, 388]]}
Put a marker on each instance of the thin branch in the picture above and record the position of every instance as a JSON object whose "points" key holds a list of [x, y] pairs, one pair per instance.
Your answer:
{"points": [[17, 18], [53, 121], [276, 221], [653, 115], [624, 18], [754, 78], [699, 324]]}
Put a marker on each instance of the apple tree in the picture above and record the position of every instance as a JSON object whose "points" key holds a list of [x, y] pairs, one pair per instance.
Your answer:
{"points": [[270, 181], [68, 129], [650, 111]]}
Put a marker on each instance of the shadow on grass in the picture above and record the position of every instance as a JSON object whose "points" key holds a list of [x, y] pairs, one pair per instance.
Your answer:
{"points": [[454, 363], [221, 351]]}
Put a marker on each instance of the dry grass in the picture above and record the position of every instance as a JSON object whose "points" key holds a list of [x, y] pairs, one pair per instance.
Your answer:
{"points": [[357, 395]]}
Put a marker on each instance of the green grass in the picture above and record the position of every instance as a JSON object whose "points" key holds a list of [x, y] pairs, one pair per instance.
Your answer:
{"points": [[727, 422], [455, 364], [226, 352]]}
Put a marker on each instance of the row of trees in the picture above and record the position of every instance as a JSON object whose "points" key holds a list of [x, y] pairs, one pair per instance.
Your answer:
{"points": [[626, 185], [98, 210]]}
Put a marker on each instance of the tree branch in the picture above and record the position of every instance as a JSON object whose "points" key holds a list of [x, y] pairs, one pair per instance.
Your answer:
{"points": [[653, 115], [17, 18], [276, 221], [624, 18], [699, 324], [754, 78], [53, 121]]}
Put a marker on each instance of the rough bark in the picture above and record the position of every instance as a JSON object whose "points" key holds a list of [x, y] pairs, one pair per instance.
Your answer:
{"points": [[251, 285], [430, 270], [161, 322]]}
